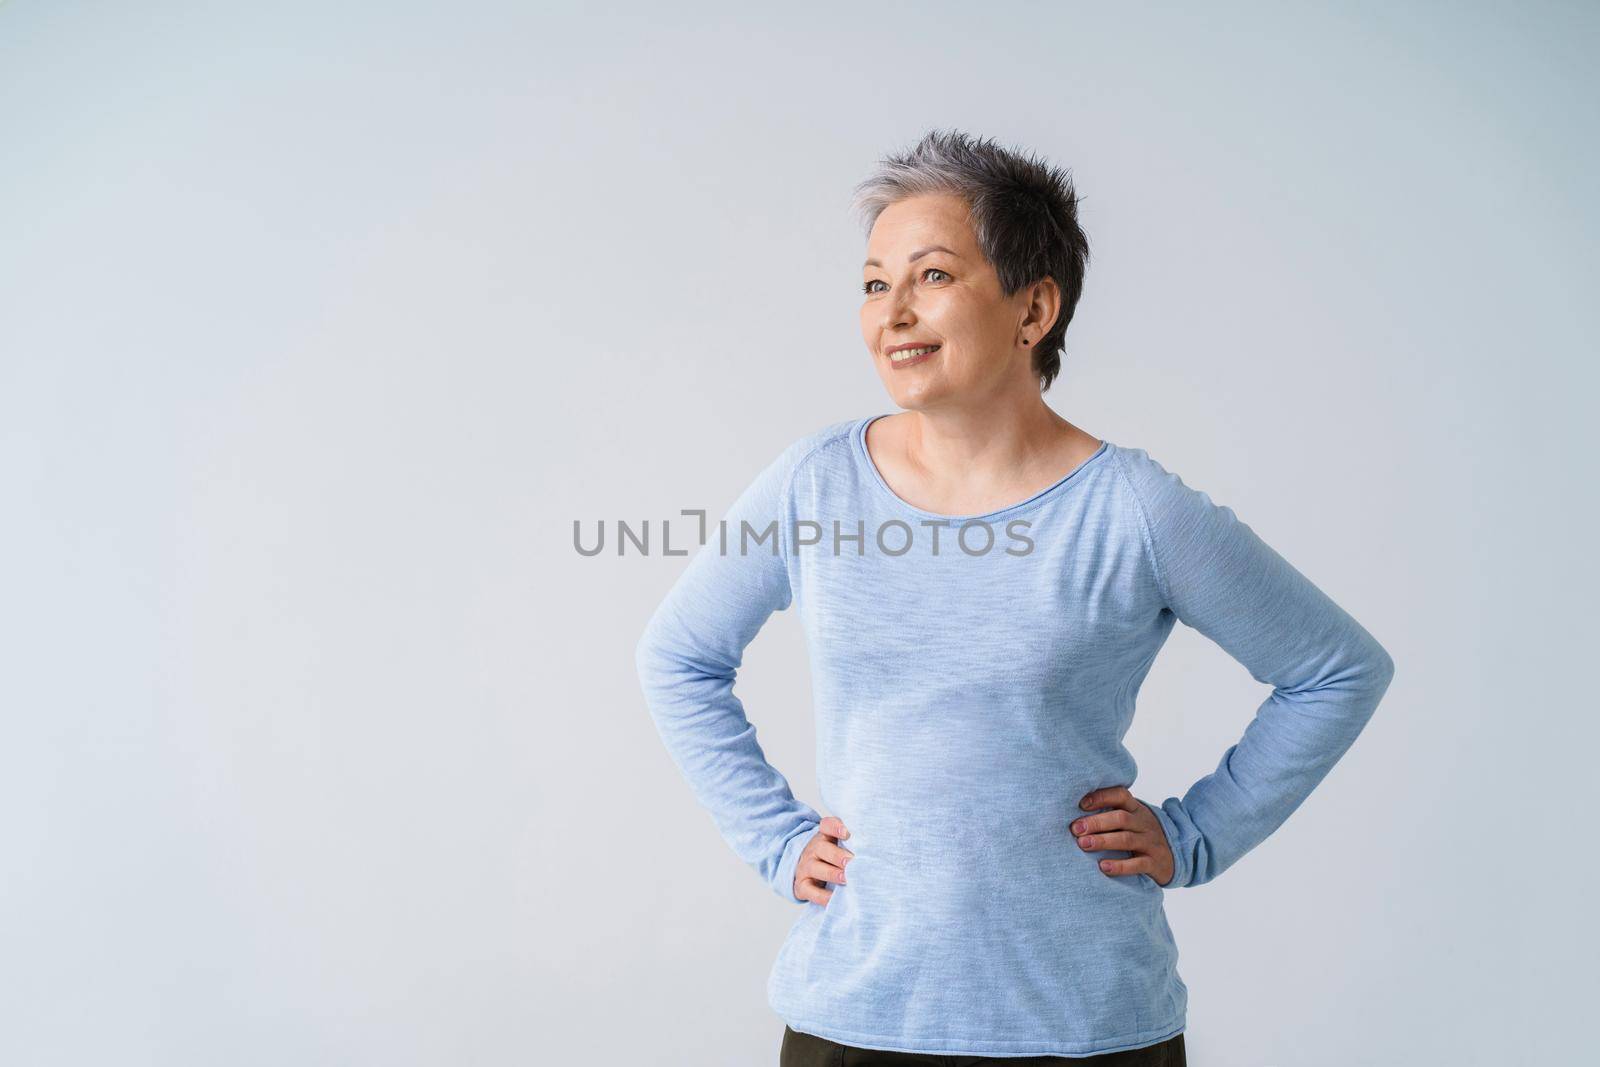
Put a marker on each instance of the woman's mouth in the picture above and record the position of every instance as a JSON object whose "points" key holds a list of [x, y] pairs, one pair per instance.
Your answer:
{"points": [[909, 356]]}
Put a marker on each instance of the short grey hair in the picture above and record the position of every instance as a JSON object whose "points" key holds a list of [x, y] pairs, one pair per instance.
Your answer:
{"points": [[1024, 215]]}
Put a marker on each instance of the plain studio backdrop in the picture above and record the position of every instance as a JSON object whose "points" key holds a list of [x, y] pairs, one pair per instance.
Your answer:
{"points": [[322, 324]]}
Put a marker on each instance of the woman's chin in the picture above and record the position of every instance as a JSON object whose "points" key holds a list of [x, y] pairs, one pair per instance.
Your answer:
{"points": [[916, 399], [912, 394]]}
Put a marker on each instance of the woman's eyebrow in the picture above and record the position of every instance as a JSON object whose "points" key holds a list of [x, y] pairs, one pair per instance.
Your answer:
{"points": [[918, 254]]}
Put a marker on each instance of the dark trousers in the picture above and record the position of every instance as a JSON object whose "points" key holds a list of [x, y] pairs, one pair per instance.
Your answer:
{"points": [[809, 1050]]}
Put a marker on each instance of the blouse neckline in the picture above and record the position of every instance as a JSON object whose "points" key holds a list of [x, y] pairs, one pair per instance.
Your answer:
{"points": [[859, 435]]}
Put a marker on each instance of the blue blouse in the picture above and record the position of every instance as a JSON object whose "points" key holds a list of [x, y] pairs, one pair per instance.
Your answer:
{"points": [[974, 678]]}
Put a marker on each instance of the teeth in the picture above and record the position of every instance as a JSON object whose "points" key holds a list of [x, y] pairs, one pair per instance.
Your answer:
{"points": [[907, 353]]}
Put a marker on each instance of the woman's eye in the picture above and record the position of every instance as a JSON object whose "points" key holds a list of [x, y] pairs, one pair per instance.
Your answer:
{"points": [[868, 287]]}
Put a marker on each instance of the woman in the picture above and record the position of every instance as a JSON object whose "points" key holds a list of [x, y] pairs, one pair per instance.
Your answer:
{"points": [[984, 586]]}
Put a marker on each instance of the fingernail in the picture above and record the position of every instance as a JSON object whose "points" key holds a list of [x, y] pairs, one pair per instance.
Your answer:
{"points": [[1105, 865], [1077, 827], [1084, 803], [1086, 842]]}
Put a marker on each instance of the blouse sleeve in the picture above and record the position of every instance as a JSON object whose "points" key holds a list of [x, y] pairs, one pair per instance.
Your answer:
{"points": [[687, 659], [1326, 671]]}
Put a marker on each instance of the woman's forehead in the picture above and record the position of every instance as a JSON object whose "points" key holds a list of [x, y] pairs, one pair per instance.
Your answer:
{"points": [[913, 225]]}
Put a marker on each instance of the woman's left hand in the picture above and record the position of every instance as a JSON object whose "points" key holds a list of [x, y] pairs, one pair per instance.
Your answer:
{"points": [[1129, 826]]}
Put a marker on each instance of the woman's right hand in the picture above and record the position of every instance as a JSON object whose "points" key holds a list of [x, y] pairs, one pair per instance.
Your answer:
{"points": [[822, 861]]}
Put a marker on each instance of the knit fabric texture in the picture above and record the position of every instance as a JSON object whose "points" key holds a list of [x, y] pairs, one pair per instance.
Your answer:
{"points": [[973, 678]]}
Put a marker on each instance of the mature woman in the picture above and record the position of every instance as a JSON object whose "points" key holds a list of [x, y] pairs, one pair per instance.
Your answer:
{"points": [[984, 586]]}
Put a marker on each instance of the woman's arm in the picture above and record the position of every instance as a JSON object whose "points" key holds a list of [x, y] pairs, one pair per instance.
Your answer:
{"points": [[1327, 672], [687, 659]]}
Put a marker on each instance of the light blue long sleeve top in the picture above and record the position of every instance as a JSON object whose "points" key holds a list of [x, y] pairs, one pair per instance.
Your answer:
{"points": [[973, 679]]}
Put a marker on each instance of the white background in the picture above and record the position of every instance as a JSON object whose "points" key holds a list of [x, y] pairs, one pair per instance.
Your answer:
{"points": [[320, 324]]}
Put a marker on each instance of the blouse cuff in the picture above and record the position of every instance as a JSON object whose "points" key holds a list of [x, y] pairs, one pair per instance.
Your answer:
{"points": [[1181, 867], [783, 878]]}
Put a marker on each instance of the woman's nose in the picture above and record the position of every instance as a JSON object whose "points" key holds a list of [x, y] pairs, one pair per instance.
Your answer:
{"points": [[899, 314]]}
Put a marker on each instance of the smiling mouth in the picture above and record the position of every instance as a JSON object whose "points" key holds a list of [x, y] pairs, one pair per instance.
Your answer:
{"points": [[906, 355]]}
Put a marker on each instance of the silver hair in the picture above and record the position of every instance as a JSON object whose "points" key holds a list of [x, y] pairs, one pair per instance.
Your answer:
{"points": [[1024, 215]]}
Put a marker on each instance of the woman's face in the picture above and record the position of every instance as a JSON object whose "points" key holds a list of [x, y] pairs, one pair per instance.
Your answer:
{"points": [[925, 282]]}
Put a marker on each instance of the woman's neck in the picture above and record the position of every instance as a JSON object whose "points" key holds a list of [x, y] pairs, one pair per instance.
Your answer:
{"points": [[971, 462]]}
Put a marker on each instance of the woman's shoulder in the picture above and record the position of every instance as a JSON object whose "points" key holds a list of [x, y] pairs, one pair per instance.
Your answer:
{"points": [[823, 446], [1166, 501], [828, 443], [835, 432], [1142, 472]]}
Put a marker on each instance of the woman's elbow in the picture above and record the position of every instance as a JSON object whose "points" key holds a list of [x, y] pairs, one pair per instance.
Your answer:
{"points": [[1379, 672], [649, 656], [1384, 664]]}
